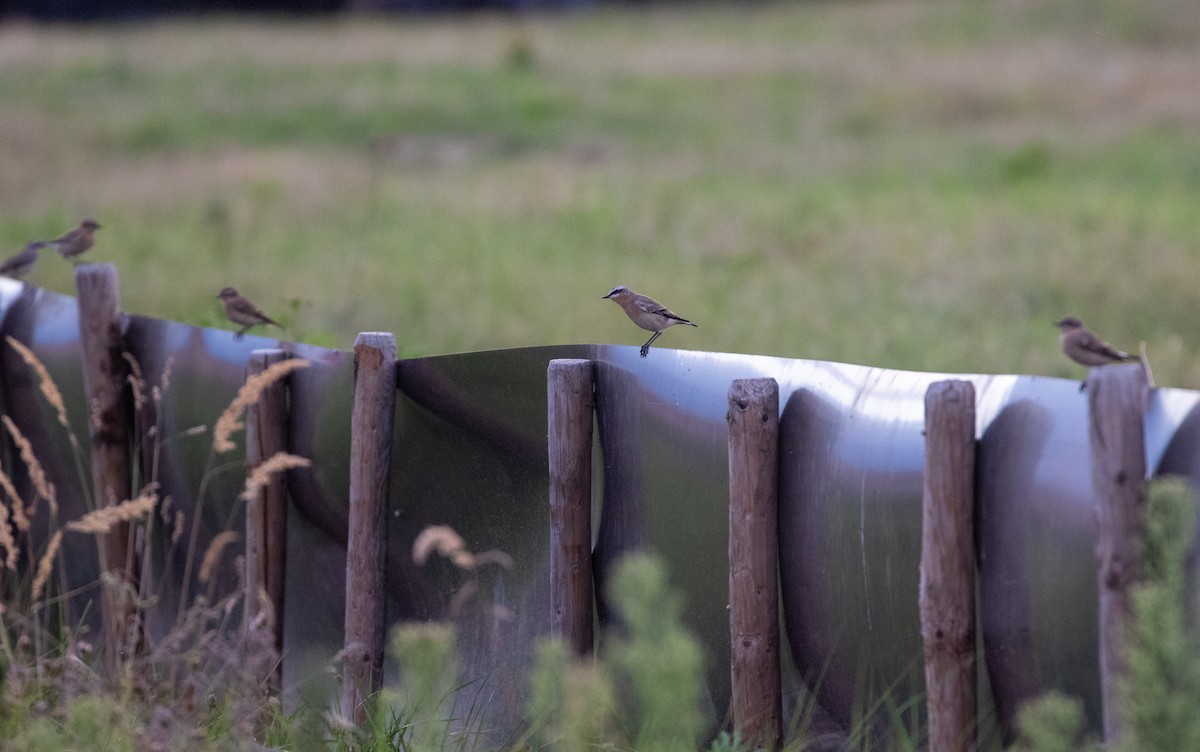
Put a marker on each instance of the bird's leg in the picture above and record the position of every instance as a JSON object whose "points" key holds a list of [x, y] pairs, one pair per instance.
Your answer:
{"points": [[241, 332], [646, 347]]}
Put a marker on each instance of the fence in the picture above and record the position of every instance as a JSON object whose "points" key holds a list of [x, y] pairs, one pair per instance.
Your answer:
{"points": [[468, 448]]}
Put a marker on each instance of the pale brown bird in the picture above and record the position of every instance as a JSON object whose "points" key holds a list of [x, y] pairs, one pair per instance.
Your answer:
{"points": [[76, 241], [1081, 345], [22, 263], [646, 312], [242, 311]]}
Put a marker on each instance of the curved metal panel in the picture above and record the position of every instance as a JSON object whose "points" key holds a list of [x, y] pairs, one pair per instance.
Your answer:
{"points": [[470, 439]]}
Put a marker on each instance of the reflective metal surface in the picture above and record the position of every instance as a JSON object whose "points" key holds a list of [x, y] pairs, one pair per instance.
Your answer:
{"points": [[470, 453]]}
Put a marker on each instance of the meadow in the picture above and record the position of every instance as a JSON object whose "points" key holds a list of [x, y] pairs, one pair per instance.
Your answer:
{"points": [[921, 184]]}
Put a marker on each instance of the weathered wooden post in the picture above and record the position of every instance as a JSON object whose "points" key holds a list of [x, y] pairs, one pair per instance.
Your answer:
{"points": [[267, 426], [105, 381], [569, 396], [1117, 411], [753, 419], [371, 424], [947, 597]]}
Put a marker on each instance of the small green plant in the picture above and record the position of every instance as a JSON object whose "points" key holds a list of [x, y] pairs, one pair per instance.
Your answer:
{"points": [[1162, 684], [657, 658], [1052, 723], [1162, 687], [727, 742]]}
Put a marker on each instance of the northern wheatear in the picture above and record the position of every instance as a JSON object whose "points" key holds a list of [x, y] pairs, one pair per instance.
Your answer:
{"points": [[22, 263], [1081, 345], [242, 311], [76, 241], [646, 312]]}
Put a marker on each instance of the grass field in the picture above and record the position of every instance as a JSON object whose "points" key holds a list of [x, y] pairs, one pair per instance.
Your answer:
{"points": [[903, 184]]}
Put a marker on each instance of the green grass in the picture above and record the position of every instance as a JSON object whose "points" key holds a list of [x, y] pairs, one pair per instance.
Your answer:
{"points": [[903, 184]]}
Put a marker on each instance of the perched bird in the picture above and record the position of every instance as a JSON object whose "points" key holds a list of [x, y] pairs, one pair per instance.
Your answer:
{"points": [[76, 241], [1081, 345], [242, 311], [22, 263], [646, 312]]}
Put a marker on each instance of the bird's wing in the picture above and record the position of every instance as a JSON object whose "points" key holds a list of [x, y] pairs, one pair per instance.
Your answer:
{"points": [[69, 237], [1097, 345], [649, 305], [248, 308]]}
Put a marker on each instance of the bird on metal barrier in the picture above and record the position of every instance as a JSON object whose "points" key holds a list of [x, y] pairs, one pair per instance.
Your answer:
{"points": [[242, 311], [646, 312], [22, 263], [1081, 345], [76, 241]]}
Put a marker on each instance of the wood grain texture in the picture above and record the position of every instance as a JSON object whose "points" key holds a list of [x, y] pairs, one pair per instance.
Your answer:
{"points": [[371, 424], [105, 381], [267, 426], [753, 420], [947, 588], [1117, 398], [569, 389]]}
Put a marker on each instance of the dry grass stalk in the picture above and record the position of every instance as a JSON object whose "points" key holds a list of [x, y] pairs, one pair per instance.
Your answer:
{"points": [[102, 521], [46, 384], [277, 463], [18, 506], [46, 564], [213, 555], [7, 540], [444, 540], [44, 488], [164, 383], [231, 420], [177, 529], [137, 382]]}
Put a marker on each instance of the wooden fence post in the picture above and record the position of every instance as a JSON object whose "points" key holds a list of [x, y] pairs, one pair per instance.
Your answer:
{"points": [[753, 419], [105, 381], [371, 425], [569, 395], [267, 426], [947, 594], [1117, 412]]}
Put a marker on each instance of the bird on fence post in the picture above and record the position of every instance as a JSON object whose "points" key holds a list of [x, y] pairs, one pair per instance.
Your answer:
{"points": [[76, 241], [242, 311], [22, 263], [1081, 345], [646, 312]]}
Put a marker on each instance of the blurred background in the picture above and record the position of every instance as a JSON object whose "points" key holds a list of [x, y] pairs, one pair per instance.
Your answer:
{"points": [[921, 184]]}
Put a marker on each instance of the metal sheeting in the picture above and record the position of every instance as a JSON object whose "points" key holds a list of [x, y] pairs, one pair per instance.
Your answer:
{"points": [[470, 453]]}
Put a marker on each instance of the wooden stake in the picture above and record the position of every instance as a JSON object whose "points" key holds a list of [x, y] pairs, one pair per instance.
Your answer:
{"points": [[1117, 412], [569, 393], [267, 425], [371, 425], [947, 597], [753, 560], [105, 381]]}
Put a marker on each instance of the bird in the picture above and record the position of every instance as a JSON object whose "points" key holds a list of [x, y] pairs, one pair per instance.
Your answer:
{"points": [[646, 312], [242, 311], [1081, 345], [22, 263], [76, 241]]}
